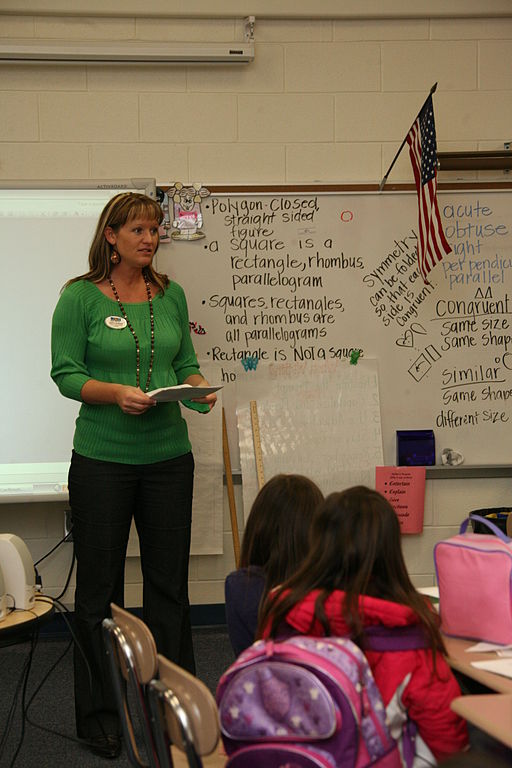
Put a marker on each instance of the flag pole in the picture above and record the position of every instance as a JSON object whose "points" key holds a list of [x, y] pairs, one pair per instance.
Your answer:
{"points": [[385, 177]]}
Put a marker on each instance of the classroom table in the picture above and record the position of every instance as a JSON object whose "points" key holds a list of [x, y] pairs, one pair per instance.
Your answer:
{"points": [[19, 624], [491, 713], [460, 660]]}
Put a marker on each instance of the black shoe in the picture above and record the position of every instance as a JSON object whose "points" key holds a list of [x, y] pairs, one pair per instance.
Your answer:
{"points": [[105, 746]]}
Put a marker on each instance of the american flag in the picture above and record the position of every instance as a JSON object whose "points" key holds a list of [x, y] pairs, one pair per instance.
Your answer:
{"points": [[421, 139]]}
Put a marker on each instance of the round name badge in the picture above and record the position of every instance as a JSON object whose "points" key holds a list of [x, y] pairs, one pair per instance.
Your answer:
{"points": [[117, 323]]}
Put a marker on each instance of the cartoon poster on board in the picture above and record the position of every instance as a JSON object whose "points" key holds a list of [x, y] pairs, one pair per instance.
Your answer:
{"points": [[182, 219], [187, 217]]}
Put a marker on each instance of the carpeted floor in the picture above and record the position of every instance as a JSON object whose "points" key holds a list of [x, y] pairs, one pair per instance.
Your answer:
{"points": [[53, 706]]}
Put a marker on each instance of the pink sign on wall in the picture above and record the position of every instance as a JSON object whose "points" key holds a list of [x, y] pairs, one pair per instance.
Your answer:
{"points": [[404, 488]]}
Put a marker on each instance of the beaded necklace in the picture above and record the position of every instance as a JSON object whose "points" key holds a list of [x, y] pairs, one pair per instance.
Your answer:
{"points": [[152, 324]]}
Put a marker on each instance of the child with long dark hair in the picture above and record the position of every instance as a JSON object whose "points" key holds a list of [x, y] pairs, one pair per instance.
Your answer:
{"points": [[275, 543], [354, 583]]}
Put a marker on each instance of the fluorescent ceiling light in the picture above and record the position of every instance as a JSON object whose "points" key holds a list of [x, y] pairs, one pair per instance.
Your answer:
{"points": [[61, 52]]}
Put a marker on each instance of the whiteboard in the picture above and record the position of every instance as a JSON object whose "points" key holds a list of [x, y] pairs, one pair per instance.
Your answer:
{"points": [[298, 276]]}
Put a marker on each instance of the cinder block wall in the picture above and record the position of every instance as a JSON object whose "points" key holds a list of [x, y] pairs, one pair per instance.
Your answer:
{"points": [[326, 100]]}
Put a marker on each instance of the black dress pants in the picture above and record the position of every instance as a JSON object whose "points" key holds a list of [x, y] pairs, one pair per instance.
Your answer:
{"points": [[104, 496]]}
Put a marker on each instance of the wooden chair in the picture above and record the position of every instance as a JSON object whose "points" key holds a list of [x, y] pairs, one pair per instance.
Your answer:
{"points": [[133, 663], [184, 714]]}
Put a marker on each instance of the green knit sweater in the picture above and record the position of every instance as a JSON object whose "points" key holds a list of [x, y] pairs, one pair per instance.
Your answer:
{"points": [[84, 347]]}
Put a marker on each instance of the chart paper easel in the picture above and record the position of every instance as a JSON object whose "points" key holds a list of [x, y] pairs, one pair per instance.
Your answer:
{"points": [[321, 420]]}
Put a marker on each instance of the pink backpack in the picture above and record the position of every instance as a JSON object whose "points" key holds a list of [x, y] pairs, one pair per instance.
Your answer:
{"points": [[474, 570], [310, 703]]}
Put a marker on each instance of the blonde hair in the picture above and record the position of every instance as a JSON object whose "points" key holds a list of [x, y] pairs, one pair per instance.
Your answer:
{"points": [[118, 211]]}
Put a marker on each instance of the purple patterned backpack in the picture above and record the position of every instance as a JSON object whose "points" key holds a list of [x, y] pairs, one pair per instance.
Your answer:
{"points": [[306, 702]]}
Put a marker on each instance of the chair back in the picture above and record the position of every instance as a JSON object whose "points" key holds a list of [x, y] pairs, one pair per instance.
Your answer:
{"points": [[132, 656], [184, 712], [141, 642]]}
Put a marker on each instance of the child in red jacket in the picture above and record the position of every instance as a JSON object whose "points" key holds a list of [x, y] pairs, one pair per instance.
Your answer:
{"points": [[353, 582]]}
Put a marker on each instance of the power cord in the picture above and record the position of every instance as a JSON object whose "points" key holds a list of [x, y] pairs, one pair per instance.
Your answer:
{"points": [[39, 582], [63, 610], [23, 681], [65, 538], [68, 579], [21, 686]]}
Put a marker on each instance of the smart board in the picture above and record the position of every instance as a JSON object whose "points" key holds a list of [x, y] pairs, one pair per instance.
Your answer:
{"points": [[45, 229]]}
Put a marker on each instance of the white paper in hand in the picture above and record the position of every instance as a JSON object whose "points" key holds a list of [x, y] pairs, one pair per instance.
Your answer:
{"points": [[180, 392]]}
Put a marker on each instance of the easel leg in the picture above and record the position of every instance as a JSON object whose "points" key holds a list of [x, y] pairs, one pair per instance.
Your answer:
{"points": [[231, 491]]}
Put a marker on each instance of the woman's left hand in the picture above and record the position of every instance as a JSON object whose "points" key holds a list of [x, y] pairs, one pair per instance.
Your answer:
{"points": [[197, 381], [210, 399]]}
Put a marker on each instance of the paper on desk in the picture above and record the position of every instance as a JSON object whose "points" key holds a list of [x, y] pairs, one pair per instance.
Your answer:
{"points": [[498, 666], [180, 392], [489, 648]]}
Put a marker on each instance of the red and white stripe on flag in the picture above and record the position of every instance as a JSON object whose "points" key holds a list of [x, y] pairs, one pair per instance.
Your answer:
{"points": [[432, 244]]}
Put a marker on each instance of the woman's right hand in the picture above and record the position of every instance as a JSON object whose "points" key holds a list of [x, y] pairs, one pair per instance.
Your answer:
{"points": [[133, 401]]}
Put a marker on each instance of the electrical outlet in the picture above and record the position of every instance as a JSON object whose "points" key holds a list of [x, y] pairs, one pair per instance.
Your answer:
{"points": [[68, 525]]}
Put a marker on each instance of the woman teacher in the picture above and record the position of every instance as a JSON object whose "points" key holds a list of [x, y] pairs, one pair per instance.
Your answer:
{"points": [[120, 331]]}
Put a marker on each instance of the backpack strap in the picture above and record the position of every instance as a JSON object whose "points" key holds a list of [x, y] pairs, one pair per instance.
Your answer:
{"points": [[487, 523], [408, 638]]}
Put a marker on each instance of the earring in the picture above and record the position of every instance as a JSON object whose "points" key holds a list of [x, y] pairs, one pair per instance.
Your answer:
{"points": [[115, 257]]}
